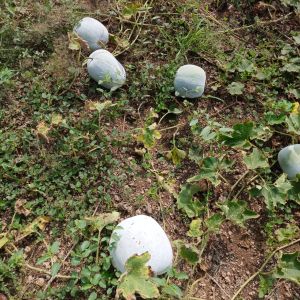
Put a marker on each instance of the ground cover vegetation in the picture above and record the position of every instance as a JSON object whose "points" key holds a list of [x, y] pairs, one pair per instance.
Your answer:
{"points": [[75, 159]]}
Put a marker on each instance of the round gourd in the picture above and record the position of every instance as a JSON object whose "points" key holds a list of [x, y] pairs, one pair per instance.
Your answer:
{"points": [[140, 234], [289, 160], [93, 32], [189, 81], [106, 70]]}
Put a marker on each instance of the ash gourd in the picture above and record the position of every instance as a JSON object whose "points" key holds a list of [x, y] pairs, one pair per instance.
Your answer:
{"points": [[289, 160], [106, 70], [189, 81], [93, 32], [140, 234]]}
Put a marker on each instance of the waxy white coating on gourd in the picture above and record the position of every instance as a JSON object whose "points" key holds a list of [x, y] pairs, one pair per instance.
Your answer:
{"points": [[140, 234], [104, 68], [189, 81], [93, 32], [289, 160]]}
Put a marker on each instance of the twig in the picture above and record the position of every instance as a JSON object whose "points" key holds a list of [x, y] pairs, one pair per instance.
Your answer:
{"points": [[237, 182], [261, 23], [216, 282], [46, 272], [262, 267]]}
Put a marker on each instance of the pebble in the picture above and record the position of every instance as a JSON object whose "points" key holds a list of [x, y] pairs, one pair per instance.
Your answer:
{"points": [[40, 281]]}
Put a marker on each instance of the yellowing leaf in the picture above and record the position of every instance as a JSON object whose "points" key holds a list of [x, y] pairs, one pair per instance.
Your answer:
{"points": [[295, 109], [98, 106], [176, 155], [20, 207], [42, 129], [76, 43], [56, 119], [3, 241], [102, 220], [121, 42], [39, 222], [149, 135], [136, 279]]}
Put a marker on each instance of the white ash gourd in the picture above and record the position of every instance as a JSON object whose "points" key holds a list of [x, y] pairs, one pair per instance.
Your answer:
{"points": [[140, 234], [93, 32], [106, 70], [189, 81], [289, 160]]}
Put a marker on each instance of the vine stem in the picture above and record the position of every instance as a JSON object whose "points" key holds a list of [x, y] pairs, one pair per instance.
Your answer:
{"points": [[262, 267]]}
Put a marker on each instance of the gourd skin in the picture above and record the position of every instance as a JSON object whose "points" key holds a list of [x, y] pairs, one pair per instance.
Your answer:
{"points": [[104, 67], [289, 160], [93, 32], [138, 235], [189, 81]]}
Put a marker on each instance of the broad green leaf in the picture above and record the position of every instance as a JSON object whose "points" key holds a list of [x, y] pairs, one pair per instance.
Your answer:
{"points": [[173, 290], [188, 252], [276, 193], [136, 279], [293, 123], [239, 135], [265, 284], [256, 160], [195, 228], [289, 267], [237, 211], [176, 155], [92, 296], [207, 134], [288, 233], [55, 269], [209, 171], [102, 220], [186, 201], [54, 248], [214, 222], [235, 88]]}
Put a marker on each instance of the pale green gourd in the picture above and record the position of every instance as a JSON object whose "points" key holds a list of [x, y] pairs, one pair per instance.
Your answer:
{"points": [[289, 160]]}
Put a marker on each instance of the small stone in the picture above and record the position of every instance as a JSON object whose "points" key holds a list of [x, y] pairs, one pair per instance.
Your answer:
{"points": [[40, 281], [27, 249]]}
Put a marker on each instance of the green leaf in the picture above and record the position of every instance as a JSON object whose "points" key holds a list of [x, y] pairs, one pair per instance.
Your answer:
{"points": [[235, 88], [239, 135], [207, 134], [293, 123], [55, 269], [265, 284], [188, 252], [55, 247], [276, 193], [186, 201], [214, 222], [288, 233], [136, 279], [176, 155], [172, 290], [289, 267], [93, 296], [209, 171], [256, 160], [195, 230], [237, 211], [102, 220]]}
